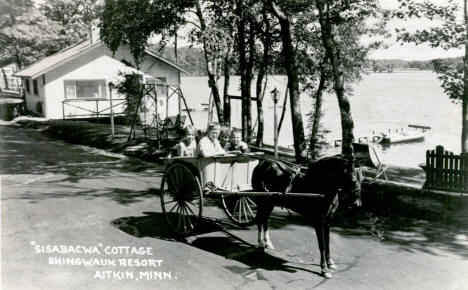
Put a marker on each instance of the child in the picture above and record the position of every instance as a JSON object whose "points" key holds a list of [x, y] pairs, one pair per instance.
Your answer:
{"points": [[209, 145], [236, 143], [224, 135], [188, 146]]}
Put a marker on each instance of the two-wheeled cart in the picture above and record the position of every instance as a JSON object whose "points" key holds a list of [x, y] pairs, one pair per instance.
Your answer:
{"points": [[187, 181]]}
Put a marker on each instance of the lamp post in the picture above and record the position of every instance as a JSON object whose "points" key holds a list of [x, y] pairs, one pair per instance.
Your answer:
{"points": [[111, 87], [275, 98]]}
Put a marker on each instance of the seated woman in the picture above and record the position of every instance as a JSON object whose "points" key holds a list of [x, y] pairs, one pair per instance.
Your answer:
{"points": [[188, 145], [209, 145], [236, 143]]}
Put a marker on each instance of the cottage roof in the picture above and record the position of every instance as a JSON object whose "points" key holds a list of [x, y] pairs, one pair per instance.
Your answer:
{"points": [[48, 63]]}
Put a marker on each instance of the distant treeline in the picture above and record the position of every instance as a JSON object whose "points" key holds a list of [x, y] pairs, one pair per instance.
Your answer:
{"points": [[190, 58], [389, 65], [193, 59]]}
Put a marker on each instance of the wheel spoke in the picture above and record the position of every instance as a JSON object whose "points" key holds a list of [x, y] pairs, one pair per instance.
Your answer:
{"points": [[173, 208], [240, 211], [250, 201], [178, 222], [188, 218], [188, 207], [250, 210], [235, 207], [171, 201], [182, 213], [245, 210], [243, 207]]}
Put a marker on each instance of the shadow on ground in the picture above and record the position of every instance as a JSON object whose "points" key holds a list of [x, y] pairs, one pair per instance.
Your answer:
{"points": [[408, 233], [229, 246]]}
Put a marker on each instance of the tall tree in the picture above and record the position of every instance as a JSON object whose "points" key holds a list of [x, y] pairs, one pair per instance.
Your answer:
{"points": [[342, 24], [133, 22], [448, 32], [23, 23], [334, 56], [262, 71], [289, 61], [208, 37]]}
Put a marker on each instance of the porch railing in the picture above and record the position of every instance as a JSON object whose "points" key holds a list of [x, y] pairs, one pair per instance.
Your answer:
{"points": [[93, 107]]}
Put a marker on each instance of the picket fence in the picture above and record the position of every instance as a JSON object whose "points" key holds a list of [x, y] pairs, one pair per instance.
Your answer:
{"points": [[446, 171]]}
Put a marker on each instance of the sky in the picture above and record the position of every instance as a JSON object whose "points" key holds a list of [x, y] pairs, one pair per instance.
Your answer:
{"points": [[403, 51], [411, 51]]}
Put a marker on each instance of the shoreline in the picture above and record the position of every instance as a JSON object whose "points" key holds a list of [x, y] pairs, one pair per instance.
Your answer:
{"points": [[401, 194]]}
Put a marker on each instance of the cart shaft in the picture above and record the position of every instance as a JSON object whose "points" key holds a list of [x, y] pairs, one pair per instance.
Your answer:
{"points": [[263, 193]]}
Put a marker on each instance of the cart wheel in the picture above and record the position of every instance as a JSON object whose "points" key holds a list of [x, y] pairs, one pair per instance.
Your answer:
{"points": [[181, 198], [242, 210]]}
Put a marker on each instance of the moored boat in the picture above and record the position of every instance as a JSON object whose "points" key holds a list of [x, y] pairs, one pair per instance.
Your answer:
{"points": [[402, 137], [415, 133]]}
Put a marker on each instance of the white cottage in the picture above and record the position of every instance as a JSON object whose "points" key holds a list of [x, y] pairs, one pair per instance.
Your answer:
{"points": [[73, 83]]}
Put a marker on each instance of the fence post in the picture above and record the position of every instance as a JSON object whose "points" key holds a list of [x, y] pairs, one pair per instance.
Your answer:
{"points": [[439, 165], [464, 170]]}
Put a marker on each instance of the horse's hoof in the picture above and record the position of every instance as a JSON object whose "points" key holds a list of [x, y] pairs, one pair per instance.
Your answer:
{"points": [[327, 274], [261, 244], [331, 265], [269, 246]]}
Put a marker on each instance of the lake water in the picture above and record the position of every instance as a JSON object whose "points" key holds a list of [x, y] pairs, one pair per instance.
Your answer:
{"points": [[381, 101]]}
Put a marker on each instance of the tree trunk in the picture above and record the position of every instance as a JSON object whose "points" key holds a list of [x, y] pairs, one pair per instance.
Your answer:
{"points": [[317, 117], [333, 54], [242, 67], [209, 69], [289, 59], [464, 138], [226, 100], [248, 81], [176, 53], [259, 94], [261, 75]]}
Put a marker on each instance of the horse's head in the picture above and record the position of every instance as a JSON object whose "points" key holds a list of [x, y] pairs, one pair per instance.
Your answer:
{"points": [[350, 193], [340, 176]]}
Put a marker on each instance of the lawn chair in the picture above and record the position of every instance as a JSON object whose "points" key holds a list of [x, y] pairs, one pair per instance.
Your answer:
{"points": [[366, 155]]}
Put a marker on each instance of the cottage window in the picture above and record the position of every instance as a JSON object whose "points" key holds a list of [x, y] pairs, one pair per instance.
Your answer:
{"points": [[85, 89], [26, 84], [35, 88]]}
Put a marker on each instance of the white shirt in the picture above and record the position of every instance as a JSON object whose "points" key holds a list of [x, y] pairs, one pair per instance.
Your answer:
{"points": [[187, 150], [207, 147]]}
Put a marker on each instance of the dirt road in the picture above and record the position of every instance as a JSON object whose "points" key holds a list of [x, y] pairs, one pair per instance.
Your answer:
{"points": [[77, 218]]}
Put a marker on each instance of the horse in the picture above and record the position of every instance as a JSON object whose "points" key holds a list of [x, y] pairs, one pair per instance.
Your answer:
{"points": [[331, 176]]}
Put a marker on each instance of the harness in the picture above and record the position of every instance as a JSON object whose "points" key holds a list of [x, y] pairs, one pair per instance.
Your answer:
{"points": [[294, 170]]}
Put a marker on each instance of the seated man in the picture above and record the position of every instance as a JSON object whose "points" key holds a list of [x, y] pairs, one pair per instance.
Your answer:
{"points": [[236, 143], [209, 145]]}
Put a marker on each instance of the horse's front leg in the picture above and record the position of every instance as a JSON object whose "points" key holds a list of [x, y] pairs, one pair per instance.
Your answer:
{"points": [[263, 215], [334, 206], [320, 231], [260, 217], [266, 235], [330, 263]]}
